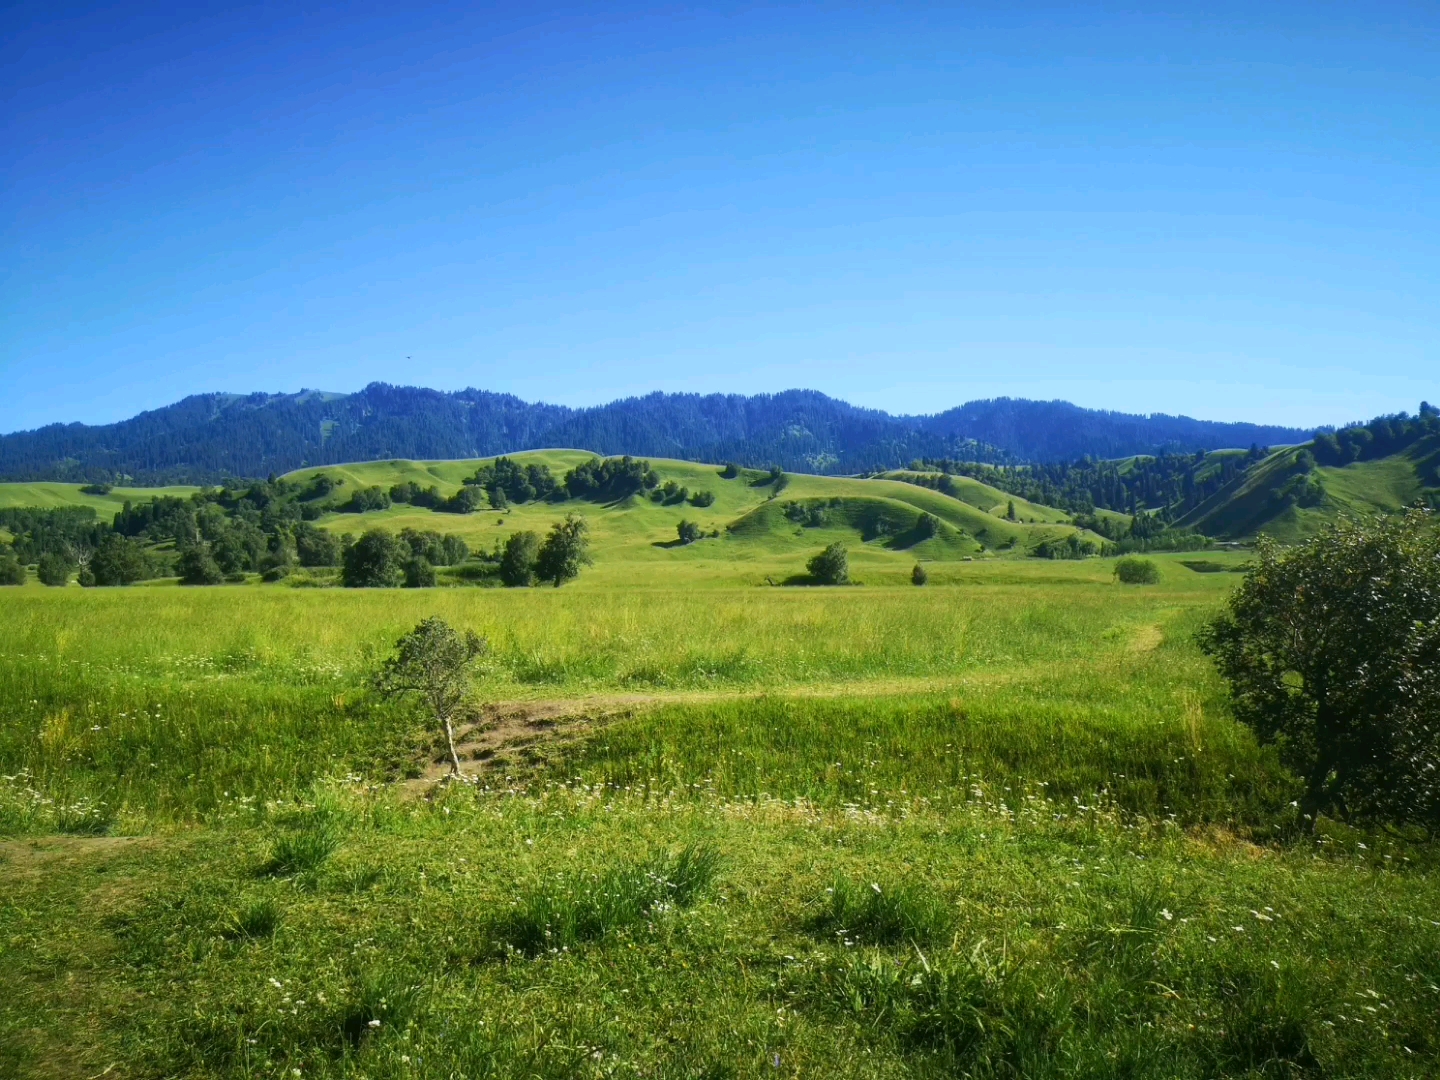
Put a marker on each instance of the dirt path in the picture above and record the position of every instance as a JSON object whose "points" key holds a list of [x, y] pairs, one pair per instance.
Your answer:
{"points": [[525, 733]]}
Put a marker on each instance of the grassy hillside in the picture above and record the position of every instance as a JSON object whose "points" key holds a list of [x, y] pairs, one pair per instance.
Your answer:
{"points": [[1288, 496], [635, 538], [50, 496]]}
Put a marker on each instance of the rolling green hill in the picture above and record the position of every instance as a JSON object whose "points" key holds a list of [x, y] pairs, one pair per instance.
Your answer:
{"points": [[753, 532], [50, 496], [634, 537], [1290, 495]]}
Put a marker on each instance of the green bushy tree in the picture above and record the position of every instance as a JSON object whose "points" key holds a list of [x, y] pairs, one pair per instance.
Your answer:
{"points": [[919, 576], [419, 574], [831, 566], [12, 571], [689, 531], [1133, 570], [1332, 652], [117, 561], [54, 569], [198, 567], [376, 560], [316, 547], [517, 561], [566, 548]]}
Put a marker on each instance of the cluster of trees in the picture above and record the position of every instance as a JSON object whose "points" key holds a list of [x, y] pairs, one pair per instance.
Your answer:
{"points": [[807, 515], [412, 493], [379, 560], [65, 541], [1174, 483], [1381, 437], [612, 478], [505, 481], [526, 559], [1073, 546]]}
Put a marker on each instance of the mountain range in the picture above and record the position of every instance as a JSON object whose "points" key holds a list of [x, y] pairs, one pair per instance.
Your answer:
{"points": [[207, 438]]}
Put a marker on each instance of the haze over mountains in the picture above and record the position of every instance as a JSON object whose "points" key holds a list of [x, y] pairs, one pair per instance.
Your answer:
{"points": [[210, 437]]}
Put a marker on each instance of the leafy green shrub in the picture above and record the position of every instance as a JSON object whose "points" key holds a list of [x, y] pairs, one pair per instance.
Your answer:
{"points": [[1332, 652], [118, 561], [11, 571], [919, 575], [54, 569], [1133, 570], [831, 566], [881, 915], [198, 567], [376, 560], [95, 489], [571, 910], [517, 562], [419, 574], [702, 498], [689, 531], [730, 471]]}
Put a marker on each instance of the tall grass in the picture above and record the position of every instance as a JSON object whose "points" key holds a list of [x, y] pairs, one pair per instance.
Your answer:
{"points": [[165, 704]]}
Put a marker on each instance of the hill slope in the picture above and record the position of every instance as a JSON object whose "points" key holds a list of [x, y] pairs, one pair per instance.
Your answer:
{"points": [[1291, 494], [753, 531], [210, 437]]}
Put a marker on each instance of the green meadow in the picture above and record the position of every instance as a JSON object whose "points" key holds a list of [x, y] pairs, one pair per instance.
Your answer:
{"points": [[1001, 825]]}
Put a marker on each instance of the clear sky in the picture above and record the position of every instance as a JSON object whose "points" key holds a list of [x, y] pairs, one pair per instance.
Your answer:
{"points": [[1228, 212]]}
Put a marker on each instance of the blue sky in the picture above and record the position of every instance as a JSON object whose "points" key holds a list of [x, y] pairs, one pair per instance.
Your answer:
{"points": [[1232, 213]]}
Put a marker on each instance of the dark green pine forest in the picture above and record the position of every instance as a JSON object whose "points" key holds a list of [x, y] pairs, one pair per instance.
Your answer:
{"points": [[211, 438]]}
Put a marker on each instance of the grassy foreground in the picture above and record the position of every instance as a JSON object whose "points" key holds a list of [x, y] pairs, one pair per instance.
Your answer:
{"points": [[997, 828]]}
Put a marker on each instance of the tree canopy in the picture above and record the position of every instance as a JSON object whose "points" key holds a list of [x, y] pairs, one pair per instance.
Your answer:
{"points": [[1332, 652]]}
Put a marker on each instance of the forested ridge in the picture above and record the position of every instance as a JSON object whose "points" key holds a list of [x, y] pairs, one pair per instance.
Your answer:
{"points": [[209, 438]]}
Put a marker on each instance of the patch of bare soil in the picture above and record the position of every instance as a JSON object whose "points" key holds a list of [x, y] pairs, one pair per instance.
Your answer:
{"points": [[517, 735]]}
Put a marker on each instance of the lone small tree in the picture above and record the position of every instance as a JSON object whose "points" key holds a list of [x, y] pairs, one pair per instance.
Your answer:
{"points": [[831, 566], [1332, 652], [1133, 570], [689, 531], [919, 576], [565, 550], [434, 661]]}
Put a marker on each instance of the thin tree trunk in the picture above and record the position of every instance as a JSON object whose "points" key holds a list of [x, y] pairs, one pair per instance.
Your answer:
{"points": [[450, 739]]}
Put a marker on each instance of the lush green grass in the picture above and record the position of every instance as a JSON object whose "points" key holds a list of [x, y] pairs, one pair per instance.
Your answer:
{"points": [[51, 495], [998, 826]]}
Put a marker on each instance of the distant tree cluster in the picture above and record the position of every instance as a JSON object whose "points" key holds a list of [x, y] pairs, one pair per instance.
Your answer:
{"points": [[612, 478], [1073, 546], [412, 493], [506, 481], [1172, 483], [1381, 437], [380, 560]]}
